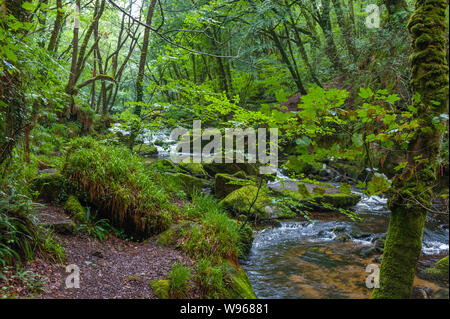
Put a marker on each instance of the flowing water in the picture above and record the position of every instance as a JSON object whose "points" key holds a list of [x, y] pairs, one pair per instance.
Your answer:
{"points": [[302, 259]]}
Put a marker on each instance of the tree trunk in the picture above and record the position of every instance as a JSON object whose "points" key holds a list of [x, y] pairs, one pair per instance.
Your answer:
{"points": [[142, 61], [412, 189]]}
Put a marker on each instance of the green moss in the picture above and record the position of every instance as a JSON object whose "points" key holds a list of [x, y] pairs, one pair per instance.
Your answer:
{"points": [[191, 183], [172, 236], [193, 168], [400, 256], [161, 288], [240, 174], [231, 168], [317, 200], [240, 200], [51, 187], [239, 284], [224, 184], [245, 240], [164, 165], [439, 272], [73, 207], [145, 150]]}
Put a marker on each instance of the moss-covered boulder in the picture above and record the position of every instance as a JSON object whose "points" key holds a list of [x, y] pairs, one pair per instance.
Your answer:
{"points": [[194, 169], [239, 201], [340, 200], [239, 286], [321, 200], [164, 165], [73, 208], [171, 237], [145, 150], [240, 174], [231, 168], [50, 186], [438, 272], [246, 240], [224, 184], [161, 288], [191, 183]]}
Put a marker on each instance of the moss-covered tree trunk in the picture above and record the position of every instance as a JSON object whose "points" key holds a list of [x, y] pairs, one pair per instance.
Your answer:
{"points": [[412, 189]]}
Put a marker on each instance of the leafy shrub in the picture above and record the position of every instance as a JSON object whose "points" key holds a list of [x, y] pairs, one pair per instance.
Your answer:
{"points": [[97, 228], [20, 237]]}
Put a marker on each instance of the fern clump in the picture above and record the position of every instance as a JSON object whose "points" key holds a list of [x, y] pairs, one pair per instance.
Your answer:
{"points": [[119, 185]]}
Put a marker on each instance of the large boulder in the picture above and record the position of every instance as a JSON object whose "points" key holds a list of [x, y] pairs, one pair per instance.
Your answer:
{"points": [[195, 169], [240, 200], [224, 184], [50, 186], [239, 285], [231, 168], [172, 237], [191, 183], [164, 165]]}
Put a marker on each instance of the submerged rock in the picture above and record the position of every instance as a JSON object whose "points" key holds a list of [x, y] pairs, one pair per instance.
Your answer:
{"points": [[342, 238]]}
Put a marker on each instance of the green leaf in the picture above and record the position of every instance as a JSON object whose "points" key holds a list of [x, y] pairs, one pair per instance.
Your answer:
{"points": [[365, 93], [28, 6]]}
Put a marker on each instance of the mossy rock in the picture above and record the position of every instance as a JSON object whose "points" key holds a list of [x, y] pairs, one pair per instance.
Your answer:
{"points": [[351, 169], [239, 286], [231, 168], [145, 150], [171, 237], [245, 240], [340, 200], [240, 200], [194, 168], [316, 201], [73, 208], [191, 183], [164, 165], [161, 288], [439, 271], [223, 184], [240, 174], [51, 187]]}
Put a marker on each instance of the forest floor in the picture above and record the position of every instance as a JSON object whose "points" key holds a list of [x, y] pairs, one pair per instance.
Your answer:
{"points": [[114, 268]]}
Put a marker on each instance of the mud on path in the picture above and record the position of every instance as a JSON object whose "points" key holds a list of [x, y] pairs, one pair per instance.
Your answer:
{"points": [[111, 269]]}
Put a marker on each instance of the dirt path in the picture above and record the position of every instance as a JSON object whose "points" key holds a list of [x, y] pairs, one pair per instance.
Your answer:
{"points": [[114, 268]]}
